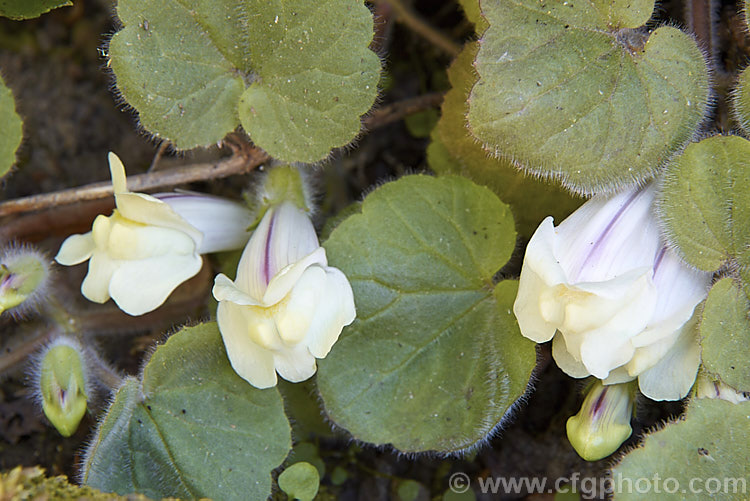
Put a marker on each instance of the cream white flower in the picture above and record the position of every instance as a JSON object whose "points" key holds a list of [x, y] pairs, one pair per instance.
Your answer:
{"points": [[617, 302], [287, 307], [146, 248]]}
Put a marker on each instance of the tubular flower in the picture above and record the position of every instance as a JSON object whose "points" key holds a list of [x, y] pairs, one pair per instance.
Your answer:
{"points": [[618, 303], [151, 244], [287, 307]]}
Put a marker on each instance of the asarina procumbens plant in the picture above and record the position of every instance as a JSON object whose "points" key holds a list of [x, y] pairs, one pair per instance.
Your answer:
{"points": [[344, 257]]}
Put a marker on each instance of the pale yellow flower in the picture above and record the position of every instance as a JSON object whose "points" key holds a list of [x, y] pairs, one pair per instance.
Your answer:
{"points": [[617, 302], [145, 249], [287, 307]]}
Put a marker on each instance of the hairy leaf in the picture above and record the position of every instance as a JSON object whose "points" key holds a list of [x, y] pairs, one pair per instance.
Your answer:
{"points": [[297, 75], [704, 203], [704, 456], [578, 92], [191, 428], [435, 358], [455, 151]]}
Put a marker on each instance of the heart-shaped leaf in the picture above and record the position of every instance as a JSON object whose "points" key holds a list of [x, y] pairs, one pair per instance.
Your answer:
{"points": [[11, 129], [191, 428], [704, 456], [578, 92], [435, 359], [455, 151], [296, 74]]}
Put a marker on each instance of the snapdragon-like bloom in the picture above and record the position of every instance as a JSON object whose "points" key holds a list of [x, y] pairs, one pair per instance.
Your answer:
{"points": [[151, 244], [287, 307], [618, 303]]}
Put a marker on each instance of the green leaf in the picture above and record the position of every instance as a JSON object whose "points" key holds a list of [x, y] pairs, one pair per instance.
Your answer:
{"points": [[709, 445], [435, 359], [11, 128], [575, 92], [454, 151], [191, 428], [300, 481], [27, 9], [725, 330], [704, 203], [297, 75]]}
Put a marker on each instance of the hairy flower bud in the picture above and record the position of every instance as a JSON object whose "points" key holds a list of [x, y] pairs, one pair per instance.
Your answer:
{"points": [[603, 423], [62, 385], [24, 278]]}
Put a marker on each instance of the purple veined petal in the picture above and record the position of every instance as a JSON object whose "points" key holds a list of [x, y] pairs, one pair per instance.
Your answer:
{"points": [[224, 223], [679, 286], [608, 236], [284, 236]]}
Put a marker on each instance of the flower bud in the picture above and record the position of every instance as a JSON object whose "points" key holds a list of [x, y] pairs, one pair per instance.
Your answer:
{"points": [[603, 423], [62, 383], [24, 278]]}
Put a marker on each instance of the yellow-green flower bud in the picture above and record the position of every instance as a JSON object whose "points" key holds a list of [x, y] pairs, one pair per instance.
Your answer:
{"points": [[24, 275], [603, 423], [62, 383]]}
